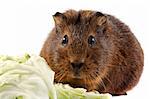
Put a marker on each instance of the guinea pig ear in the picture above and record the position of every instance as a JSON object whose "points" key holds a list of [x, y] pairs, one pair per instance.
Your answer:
{"points": [[59, 18], [101, 18]]}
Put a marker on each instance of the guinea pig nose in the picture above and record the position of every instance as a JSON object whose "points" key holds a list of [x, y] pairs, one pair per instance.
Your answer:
{"points": [[76, 65]]}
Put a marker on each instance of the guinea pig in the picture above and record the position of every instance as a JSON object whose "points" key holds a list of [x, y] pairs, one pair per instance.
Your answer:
{"points": [[93, 50]]}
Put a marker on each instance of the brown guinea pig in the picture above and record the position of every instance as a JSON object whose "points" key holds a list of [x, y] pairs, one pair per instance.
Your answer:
{"points": [[93, 50]]}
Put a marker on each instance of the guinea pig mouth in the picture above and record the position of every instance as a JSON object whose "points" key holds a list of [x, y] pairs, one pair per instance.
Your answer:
{"points": [[75, 75], [76, 72]]}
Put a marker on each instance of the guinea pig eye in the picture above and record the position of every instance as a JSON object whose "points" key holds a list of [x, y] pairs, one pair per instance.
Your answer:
{"points": [[91, 40], [65, 40]]}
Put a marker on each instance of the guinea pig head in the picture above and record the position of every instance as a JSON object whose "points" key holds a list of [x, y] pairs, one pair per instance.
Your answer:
{"points": [[78, 48]]}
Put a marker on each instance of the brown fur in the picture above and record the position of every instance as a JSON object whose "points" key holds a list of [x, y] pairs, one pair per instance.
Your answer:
{"points": [[114, 64]]}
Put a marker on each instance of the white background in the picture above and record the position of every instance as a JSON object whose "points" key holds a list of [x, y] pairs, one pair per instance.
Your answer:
{"points": [[25, 24]]}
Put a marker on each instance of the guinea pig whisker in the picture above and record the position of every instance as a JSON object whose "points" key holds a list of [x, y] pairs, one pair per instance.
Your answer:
{"points": [[61, 77], [102, 83], [98, 78], [58, 75], [106, 77], [89, 80]]}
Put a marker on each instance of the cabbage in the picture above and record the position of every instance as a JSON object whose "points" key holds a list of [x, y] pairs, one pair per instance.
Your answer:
{"points": [[67, 92], [29, 77]]}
